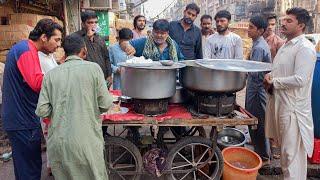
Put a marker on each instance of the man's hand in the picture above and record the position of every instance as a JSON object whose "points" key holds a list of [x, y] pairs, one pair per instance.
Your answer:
{"points": [[127, 48], [267, 83], [118, 71], [109, 81], [90, 33]]}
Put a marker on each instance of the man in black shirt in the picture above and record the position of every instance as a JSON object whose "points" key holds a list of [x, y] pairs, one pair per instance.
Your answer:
{"points": [[186, 34], [97, 49]]}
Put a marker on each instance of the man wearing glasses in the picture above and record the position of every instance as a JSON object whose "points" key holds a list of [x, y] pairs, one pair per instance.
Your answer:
{"points": [[97, 49]]}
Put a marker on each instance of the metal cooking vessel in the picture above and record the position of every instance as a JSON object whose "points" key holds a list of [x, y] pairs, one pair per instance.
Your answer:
{"points": [[231, 137], [197, 78], [151, 82], [180, 95]]}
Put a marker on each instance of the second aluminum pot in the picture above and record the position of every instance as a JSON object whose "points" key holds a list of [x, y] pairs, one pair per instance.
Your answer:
{"points": [[154, 82], [197, 78]]}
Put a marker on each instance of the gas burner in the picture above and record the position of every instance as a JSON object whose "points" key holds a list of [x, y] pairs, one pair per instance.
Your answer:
{"points": [[214, 104], [150, 107]]}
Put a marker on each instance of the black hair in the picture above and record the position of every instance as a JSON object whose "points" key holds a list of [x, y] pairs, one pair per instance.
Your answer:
{"points": [[301, 14], [193, 6], [125, 33], [161, 25], [44, 26], [205, 16], [135, 20], [259, 22], [73, 44], [272, 16], [88, 14], [223, 14]]}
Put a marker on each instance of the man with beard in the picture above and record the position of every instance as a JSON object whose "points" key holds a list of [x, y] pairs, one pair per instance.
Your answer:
{"points": [[186, 34], [159, 45], [139, 23], [289, 116], [21, 86], [206, 28], [273, 40], [223, 44]]}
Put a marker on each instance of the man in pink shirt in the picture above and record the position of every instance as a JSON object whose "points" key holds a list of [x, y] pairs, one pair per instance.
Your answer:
{"points": [[273, 40], [139, 23]]}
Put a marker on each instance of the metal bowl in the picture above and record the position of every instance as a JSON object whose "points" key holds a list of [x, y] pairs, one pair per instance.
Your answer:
{"points": [[166, 62], [231, 137]]}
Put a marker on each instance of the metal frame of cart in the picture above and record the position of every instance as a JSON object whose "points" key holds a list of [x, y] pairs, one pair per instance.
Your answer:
{"points": [[192, 157]]}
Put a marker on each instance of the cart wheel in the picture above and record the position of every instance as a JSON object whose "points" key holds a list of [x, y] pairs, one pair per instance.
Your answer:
{"points": [[188, 131], [192, 158], [123, 159]]}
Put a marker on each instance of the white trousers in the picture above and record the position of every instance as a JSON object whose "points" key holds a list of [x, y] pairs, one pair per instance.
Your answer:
{"points": [[293, 153]]}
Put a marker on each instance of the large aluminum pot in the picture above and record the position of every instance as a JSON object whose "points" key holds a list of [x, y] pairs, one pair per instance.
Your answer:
{"points": [[151, 82], [180, 95], [197, 78]]}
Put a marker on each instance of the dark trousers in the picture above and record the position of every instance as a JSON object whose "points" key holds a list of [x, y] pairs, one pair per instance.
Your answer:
{"points": [[26, 153], [256, 105]]}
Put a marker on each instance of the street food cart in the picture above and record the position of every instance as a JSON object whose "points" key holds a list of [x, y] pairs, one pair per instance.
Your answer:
{"points": [[192, 154]]}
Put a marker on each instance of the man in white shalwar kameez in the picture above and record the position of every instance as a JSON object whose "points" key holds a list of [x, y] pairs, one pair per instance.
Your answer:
{"points": [[288, 117]]}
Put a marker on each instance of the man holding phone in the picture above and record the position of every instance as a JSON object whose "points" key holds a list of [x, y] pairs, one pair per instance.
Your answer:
{"points": [[97, 49]]}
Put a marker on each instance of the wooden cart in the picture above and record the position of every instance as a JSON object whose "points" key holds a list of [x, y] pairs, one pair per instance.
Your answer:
{"points": [[190, 157]]}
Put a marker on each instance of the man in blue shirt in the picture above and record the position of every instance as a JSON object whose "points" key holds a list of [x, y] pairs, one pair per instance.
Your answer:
{"points": [[256, 95], [117, 55], [158, 46], [186, 34]]}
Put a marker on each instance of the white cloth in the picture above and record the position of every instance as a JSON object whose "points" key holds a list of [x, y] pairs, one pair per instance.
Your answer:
{"points": [[223, 46], [1, 80], [204, 42], [47, 62], [288, 116]]}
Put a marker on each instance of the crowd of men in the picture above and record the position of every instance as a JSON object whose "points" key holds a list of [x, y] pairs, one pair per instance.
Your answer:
{"points": [[70, 97]]}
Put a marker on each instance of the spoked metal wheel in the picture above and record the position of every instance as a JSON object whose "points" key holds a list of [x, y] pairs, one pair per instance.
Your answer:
{"points": [[193, 158], [123, 159]]}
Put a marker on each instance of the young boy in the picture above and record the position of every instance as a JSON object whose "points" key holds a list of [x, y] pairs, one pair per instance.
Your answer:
{"points": [[255, 93]]}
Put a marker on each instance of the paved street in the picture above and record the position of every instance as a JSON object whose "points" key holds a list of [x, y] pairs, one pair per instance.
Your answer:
{"points": [[6, 168]]}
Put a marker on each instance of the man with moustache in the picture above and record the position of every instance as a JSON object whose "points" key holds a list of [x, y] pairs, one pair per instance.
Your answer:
{"points": [[21, 86], [139, 24], [223, 44], [273, 40], [186, 34], [206, 28], [289, 116], [97, 49], [159, 45]]}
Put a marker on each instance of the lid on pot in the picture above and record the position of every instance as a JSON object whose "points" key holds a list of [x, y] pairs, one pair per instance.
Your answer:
{"points": [[234, 65], [152, 65]]}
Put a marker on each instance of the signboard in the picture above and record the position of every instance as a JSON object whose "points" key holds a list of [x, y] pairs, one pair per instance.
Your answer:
{"points": [[103, 20]]}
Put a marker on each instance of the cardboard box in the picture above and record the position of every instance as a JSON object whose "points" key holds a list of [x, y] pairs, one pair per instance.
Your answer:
{"points": [[5, 11], [121, 23], [11, 34], [112, 39], [30, 19], [3, 56], [112, 19]]}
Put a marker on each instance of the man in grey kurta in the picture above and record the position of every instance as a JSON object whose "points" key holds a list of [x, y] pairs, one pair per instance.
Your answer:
{"points": [[255, 92], [73, 96]]}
